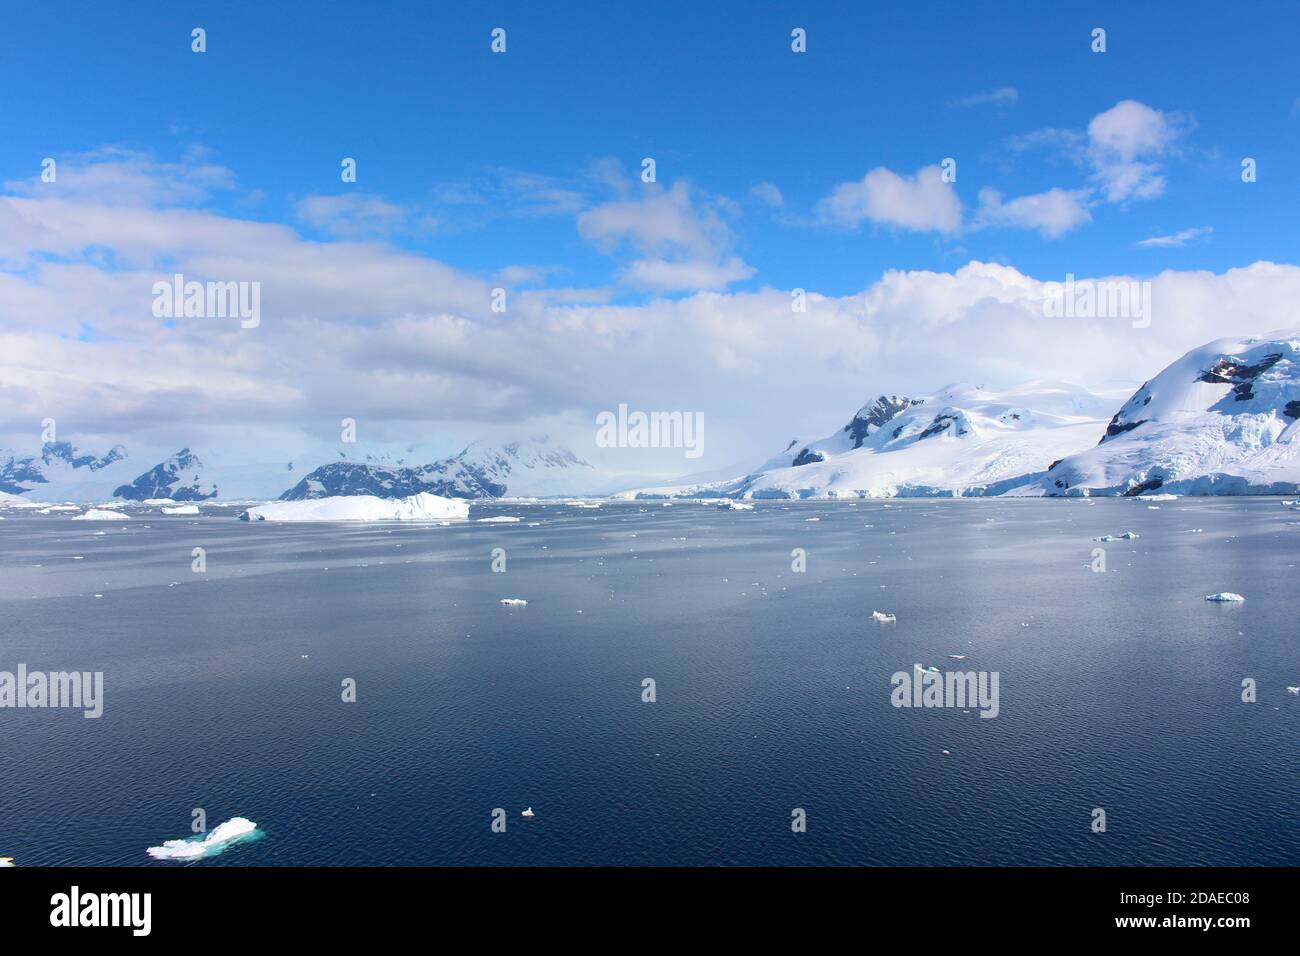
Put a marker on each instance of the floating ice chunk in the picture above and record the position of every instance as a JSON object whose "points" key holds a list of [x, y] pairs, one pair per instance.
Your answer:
{"points": [[6, 861], [1127, 535], [182, 510], [98, 514], [958, 657], [158, 501], [726, 504], [1225, 597], [883, 618], [215, 841], [418, 507], [514, 602], [498, 519], [1293, 690]]}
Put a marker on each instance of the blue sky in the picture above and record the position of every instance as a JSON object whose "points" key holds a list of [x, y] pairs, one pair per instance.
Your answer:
{"points": [[775, 170], [712, 91]]}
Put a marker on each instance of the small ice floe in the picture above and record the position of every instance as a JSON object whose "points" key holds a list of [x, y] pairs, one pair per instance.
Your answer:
{"points": [[958, 657], [727, 504], [1225, 597], [182, 510], [812, 519], [528, 814], [883, 618], [1293, 691], [6, 861], [498, 519], [212, 843], [100, 514], [1153, 507], [158, 501], [947, 753], [1127, 536], [514, 602], [926, 670]]}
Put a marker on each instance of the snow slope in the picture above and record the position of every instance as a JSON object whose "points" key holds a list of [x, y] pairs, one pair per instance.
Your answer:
{"points": [[962, 440], [419, 507], [1223, 419], [528, 468], [60, 472], [180, 478]]}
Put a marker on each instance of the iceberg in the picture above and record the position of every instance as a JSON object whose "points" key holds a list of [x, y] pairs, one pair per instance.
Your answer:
{"points": [[99, 514], [1225, 597], [514, 602], [182, 510], [212, 843], [419, 507], [883, 618]]}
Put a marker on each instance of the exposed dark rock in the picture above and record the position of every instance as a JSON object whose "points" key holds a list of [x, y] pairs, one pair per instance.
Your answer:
{"points": [[875, 416], [807, 457], [1151, 484]]}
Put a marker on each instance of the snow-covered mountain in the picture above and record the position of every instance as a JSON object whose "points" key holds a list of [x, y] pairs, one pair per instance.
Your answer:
{"points": [[1223, 419], [962, 440], [181, 478], [528, 468], [61, 472]]}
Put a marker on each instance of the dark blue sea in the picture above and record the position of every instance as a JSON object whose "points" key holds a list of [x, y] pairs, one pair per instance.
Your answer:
{"points": [[1119, 690]]}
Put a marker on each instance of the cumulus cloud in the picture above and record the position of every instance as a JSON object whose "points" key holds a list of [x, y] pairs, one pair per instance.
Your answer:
{"points": [[1124, 143], [679, 243], [1052, 213], [921, 203], [408, 344]]}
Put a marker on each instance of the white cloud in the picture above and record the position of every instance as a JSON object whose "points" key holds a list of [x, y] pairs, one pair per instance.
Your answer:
{"points": [[1122, 145], [922, 203], [1180, 238], [768, 193], [409, 345], [354, 215], [662, 275], [1002, 95], [1052, 213], [114, 175], [680, 243]]}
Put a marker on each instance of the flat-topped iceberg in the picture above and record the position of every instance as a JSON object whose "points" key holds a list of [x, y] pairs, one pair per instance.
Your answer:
{"points": [[1225, 597], [418, 507], [99, 514]]}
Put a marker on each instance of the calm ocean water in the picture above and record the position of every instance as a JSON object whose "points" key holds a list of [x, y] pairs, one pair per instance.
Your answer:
{"points": [[1119, 690]]}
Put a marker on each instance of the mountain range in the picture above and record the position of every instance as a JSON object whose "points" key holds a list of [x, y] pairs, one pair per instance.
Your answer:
{"points": [[1222, 419]]}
